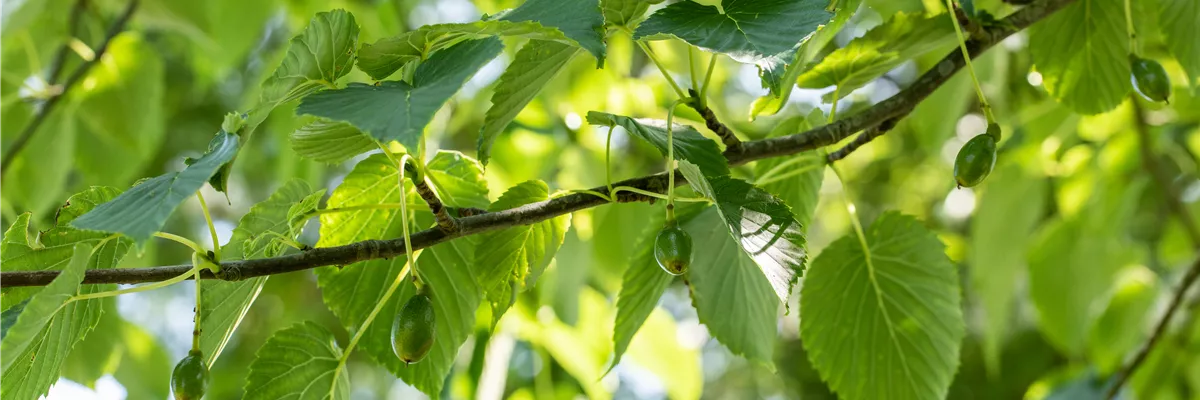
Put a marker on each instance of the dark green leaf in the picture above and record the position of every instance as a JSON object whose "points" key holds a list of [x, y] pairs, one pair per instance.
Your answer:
{"points": [[688, 143], [1082, 53], [298, 362], [882, 315], [750, 31], [331, 142], [142, 210], [534, 66], [782, 80], [579, 20], [395, 110]]}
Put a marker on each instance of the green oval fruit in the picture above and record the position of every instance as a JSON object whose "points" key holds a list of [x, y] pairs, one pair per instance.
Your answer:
{"points": [[190, 378], [975, 160], [673, 249], [1150, 79], [413, 329]]}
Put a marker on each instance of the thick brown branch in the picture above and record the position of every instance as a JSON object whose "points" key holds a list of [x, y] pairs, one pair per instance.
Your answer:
{"points": [[710, 120], [44, 111], [893, 108]]}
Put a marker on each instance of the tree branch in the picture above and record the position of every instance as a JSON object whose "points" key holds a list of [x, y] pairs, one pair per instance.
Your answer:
{"points": [[710, 120], [48, 106], [1172, 198], [893, 108], [863, 138], [445, 222]]}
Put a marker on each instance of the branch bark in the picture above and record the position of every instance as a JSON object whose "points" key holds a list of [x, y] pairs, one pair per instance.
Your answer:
{"points": [[893, 108], [23, 139]]}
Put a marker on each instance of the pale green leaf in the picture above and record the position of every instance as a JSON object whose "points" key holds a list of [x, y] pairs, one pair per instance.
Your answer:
{"points": [[396, 110], [625, 13], [1082, 53], [885, 322], [298, 362], [749, 31], [315, 59], [458, 180], [1123, 325], [1008, 212], [225, 303], [375, 180], [142, 210], [689, 144], [330, 142], [901, 38], [782, 81], [729, 292], [538, 62], [513, 258], [1180, 24]]}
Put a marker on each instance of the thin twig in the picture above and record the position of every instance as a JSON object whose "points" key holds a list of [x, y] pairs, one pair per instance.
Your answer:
{"points": [[893, 108], [710, 120], [863, 138], [1150, 162], [77, 75], [445, 221], [60, 58]]}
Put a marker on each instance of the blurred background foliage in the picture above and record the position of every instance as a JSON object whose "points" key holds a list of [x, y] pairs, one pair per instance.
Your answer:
{"points": [[1069, 202]]}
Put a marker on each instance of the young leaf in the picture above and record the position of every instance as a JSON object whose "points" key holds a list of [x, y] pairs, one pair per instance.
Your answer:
{"points": [[142, 210], [749, 31], [297, 362], [903, 37], [513, 258], [1082, 53], [315, 58], [534, 66], [643, 284], [395, 110], [689, 144], [762, 223], [225, 303], [330, 142], [730, 295], [1180, 23], [885, 321]]}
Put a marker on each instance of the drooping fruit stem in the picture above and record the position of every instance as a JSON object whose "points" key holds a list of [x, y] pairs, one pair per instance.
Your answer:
{"points": [[962, 44]]}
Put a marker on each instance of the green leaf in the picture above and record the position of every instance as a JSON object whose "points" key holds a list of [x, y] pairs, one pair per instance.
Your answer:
{"points": [[689, 144], [513, 258], [885, 323], [1082, 53], [1120, 329], [124, 350], [226, 303], [579, 20], [903, 37], [33, 182], [142, 210], [658, 349], [1180, 23], [729, 292], [1008, 213], [458, 180], [315, 59], [373, 181], [782, 83], [330, 142], [395, 110], [749, 31], [762, 223], [297, 362], [625, 13], [535, 65], [643, 284]]}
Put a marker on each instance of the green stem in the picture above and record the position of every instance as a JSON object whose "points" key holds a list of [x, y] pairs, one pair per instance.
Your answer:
{"points": [[692, 68], [1129, 28], [196, 321], [671, 162], [837, 92], [212, 230], [593, 193], [196, 268], [712, 64], [662, 69], [962, 44], [789, 174], [286, 240], [181, 240], [607, 158], [381, 206], [619, 189], [778, 168]]}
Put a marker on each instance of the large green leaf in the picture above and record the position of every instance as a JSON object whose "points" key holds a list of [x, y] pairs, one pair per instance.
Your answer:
{"points": [[579, 20], [1008, 213], [729, 292], [761, 223], [688, 143], [781, 81], [1083, 55], [396, 110], [375, 180], [643, 284], [903, 37], [35, 180], [225, 303], [298, 363], [750, 31], [34, 349], [535, 65], [142, 210], [315, 58], [1180, 23], [330, 142], [885, 321], [513, 258], [124, 350]]}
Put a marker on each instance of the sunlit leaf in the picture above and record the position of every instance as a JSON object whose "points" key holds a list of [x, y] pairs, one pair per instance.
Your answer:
{"points": [[534, 66], [625, 13], [750, 31], [458, 180], [688, 143], [1082, 53], [396, 110], [884, 321], [643, 284], [331, 142], [298, 362], [315, 59], [142, 210]]}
